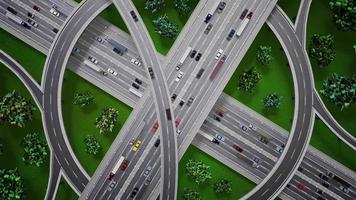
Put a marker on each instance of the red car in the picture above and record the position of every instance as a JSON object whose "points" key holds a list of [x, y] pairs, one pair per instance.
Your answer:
{"points": [[301, 187], [36, 8], [177, 121], [221, 114], [124, 165], [155, 127], [239, 149]]}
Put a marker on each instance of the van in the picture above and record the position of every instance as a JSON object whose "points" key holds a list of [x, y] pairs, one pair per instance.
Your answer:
{"points": [[200, 73]]}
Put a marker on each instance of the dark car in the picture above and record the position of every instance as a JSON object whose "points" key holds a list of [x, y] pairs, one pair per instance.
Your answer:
{"points": [[36, 8], [319, 191], [207, 18], [55, 30], [124, 165], [13, 11], [116, 50], [192, 54], [135, 86], [30, 15], [325, 184], [181, 103], [221, 7], [221, 114], [24, 24], [133, 15], [322, 176], [216, 141], [243, 14], [200, 73], [190, 101], [134, 192], [150, 70], [138, 81], [244, 128], [217, 118], [208, 28], [237, 148], [263, 139], [158, 141], [173, 97], [198, 57], [231, 34]]}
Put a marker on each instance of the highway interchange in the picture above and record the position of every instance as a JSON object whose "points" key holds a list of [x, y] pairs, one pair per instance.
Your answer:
{"points": [[156, 155]]}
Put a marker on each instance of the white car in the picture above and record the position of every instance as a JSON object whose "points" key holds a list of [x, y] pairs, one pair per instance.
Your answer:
{"points": [[112, 72], [111, 186], [93, 60], [54, 12], [179, 131], [218, 54], [135, 62], [32, 22], [179, 76], [99, 39]]}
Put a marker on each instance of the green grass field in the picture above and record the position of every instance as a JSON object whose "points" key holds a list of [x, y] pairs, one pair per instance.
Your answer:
{"points": [[35, 178], [290, 7], [240, 184], [65, 192], [80, 121]]}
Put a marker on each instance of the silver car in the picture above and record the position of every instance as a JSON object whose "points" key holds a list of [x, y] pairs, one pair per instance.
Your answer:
{"points": [[147, 171], [111, 186]]}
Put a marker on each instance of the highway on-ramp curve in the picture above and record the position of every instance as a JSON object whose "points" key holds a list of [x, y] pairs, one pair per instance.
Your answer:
{"points": [[52, 85]]}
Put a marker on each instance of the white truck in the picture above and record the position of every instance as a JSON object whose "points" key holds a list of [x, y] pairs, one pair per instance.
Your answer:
{"points": [[244, 24], [116, 167], [212, 11], [209, 137], [182, 59], [135, 92], [14, 18], [92, 66]]}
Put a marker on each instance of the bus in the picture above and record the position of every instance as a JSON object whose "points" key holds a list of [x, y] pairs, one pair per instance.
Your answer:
{"points": [[185, 55], [135, 92], [217, 68], [212, 10], [116, 167], [118, 48]]}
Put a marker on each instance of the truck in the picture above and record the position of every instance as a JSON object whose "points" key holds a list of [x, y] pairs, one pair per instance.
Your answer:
{"points": [[217, 68], [182, 59], [118, 48], [212, 11], [209, 137], [116, 167], [92, 66], [244, 24], [14, 18], [135, 92]]}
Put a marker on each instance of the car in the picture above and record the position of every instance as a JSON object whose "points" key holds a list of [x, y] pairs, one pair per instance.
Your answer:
{"points": [[200, 73], [325, 184], [134, 192], [132, 141], [218, 54], [231, 34], [198, 57], [330, 174], [320, 198], [110, 71], [221, 7], [138, 81], [256, 162], [179, 76], [344, 189], [178, 131], [54, 12], [155, 127], [208, 28], [215, 141], [36, 8], [32, 22], [244, 128], [93, 60], [24, 24], [135, 86], [177, 122], [181, 103], [301, 169], [147, 171], [173, 97], [263, 139], [243, 14], [100, 40], [237, 148], [251, 126], [148, 180], [220, 137], [111, 186], [150, 70], [190, 101], [30, 15], [133, 15], [178, 67], [323, 177], [221, 114], [116, 50], [301, 186], [124, 165], [279, 149], [319, 191], [193, 53], [207, 18], [217, 118], [75, 51], [137, 145], [13, 11], [158, 141], [135, 62]]}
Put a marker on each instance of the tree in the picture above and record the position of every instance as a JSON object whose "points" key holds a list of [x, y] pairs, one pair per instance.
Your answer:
{"points": [[248, 80], [182, 6], [154, 5], [272, 101], [15, 109], [1, 149], [11, 184], [92, 145], [106, 120], [164, 27], [263, 55], [198, 171], [83, 99], [321, 49], [36, 150], [340, 90], [354, 47], [222, 186], [190, 194], [344, 14]]}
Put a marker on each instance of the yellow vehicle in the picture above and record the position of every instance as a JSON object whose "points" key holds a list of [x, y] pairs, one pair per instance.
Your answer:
{"points": [[137, 145]]}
